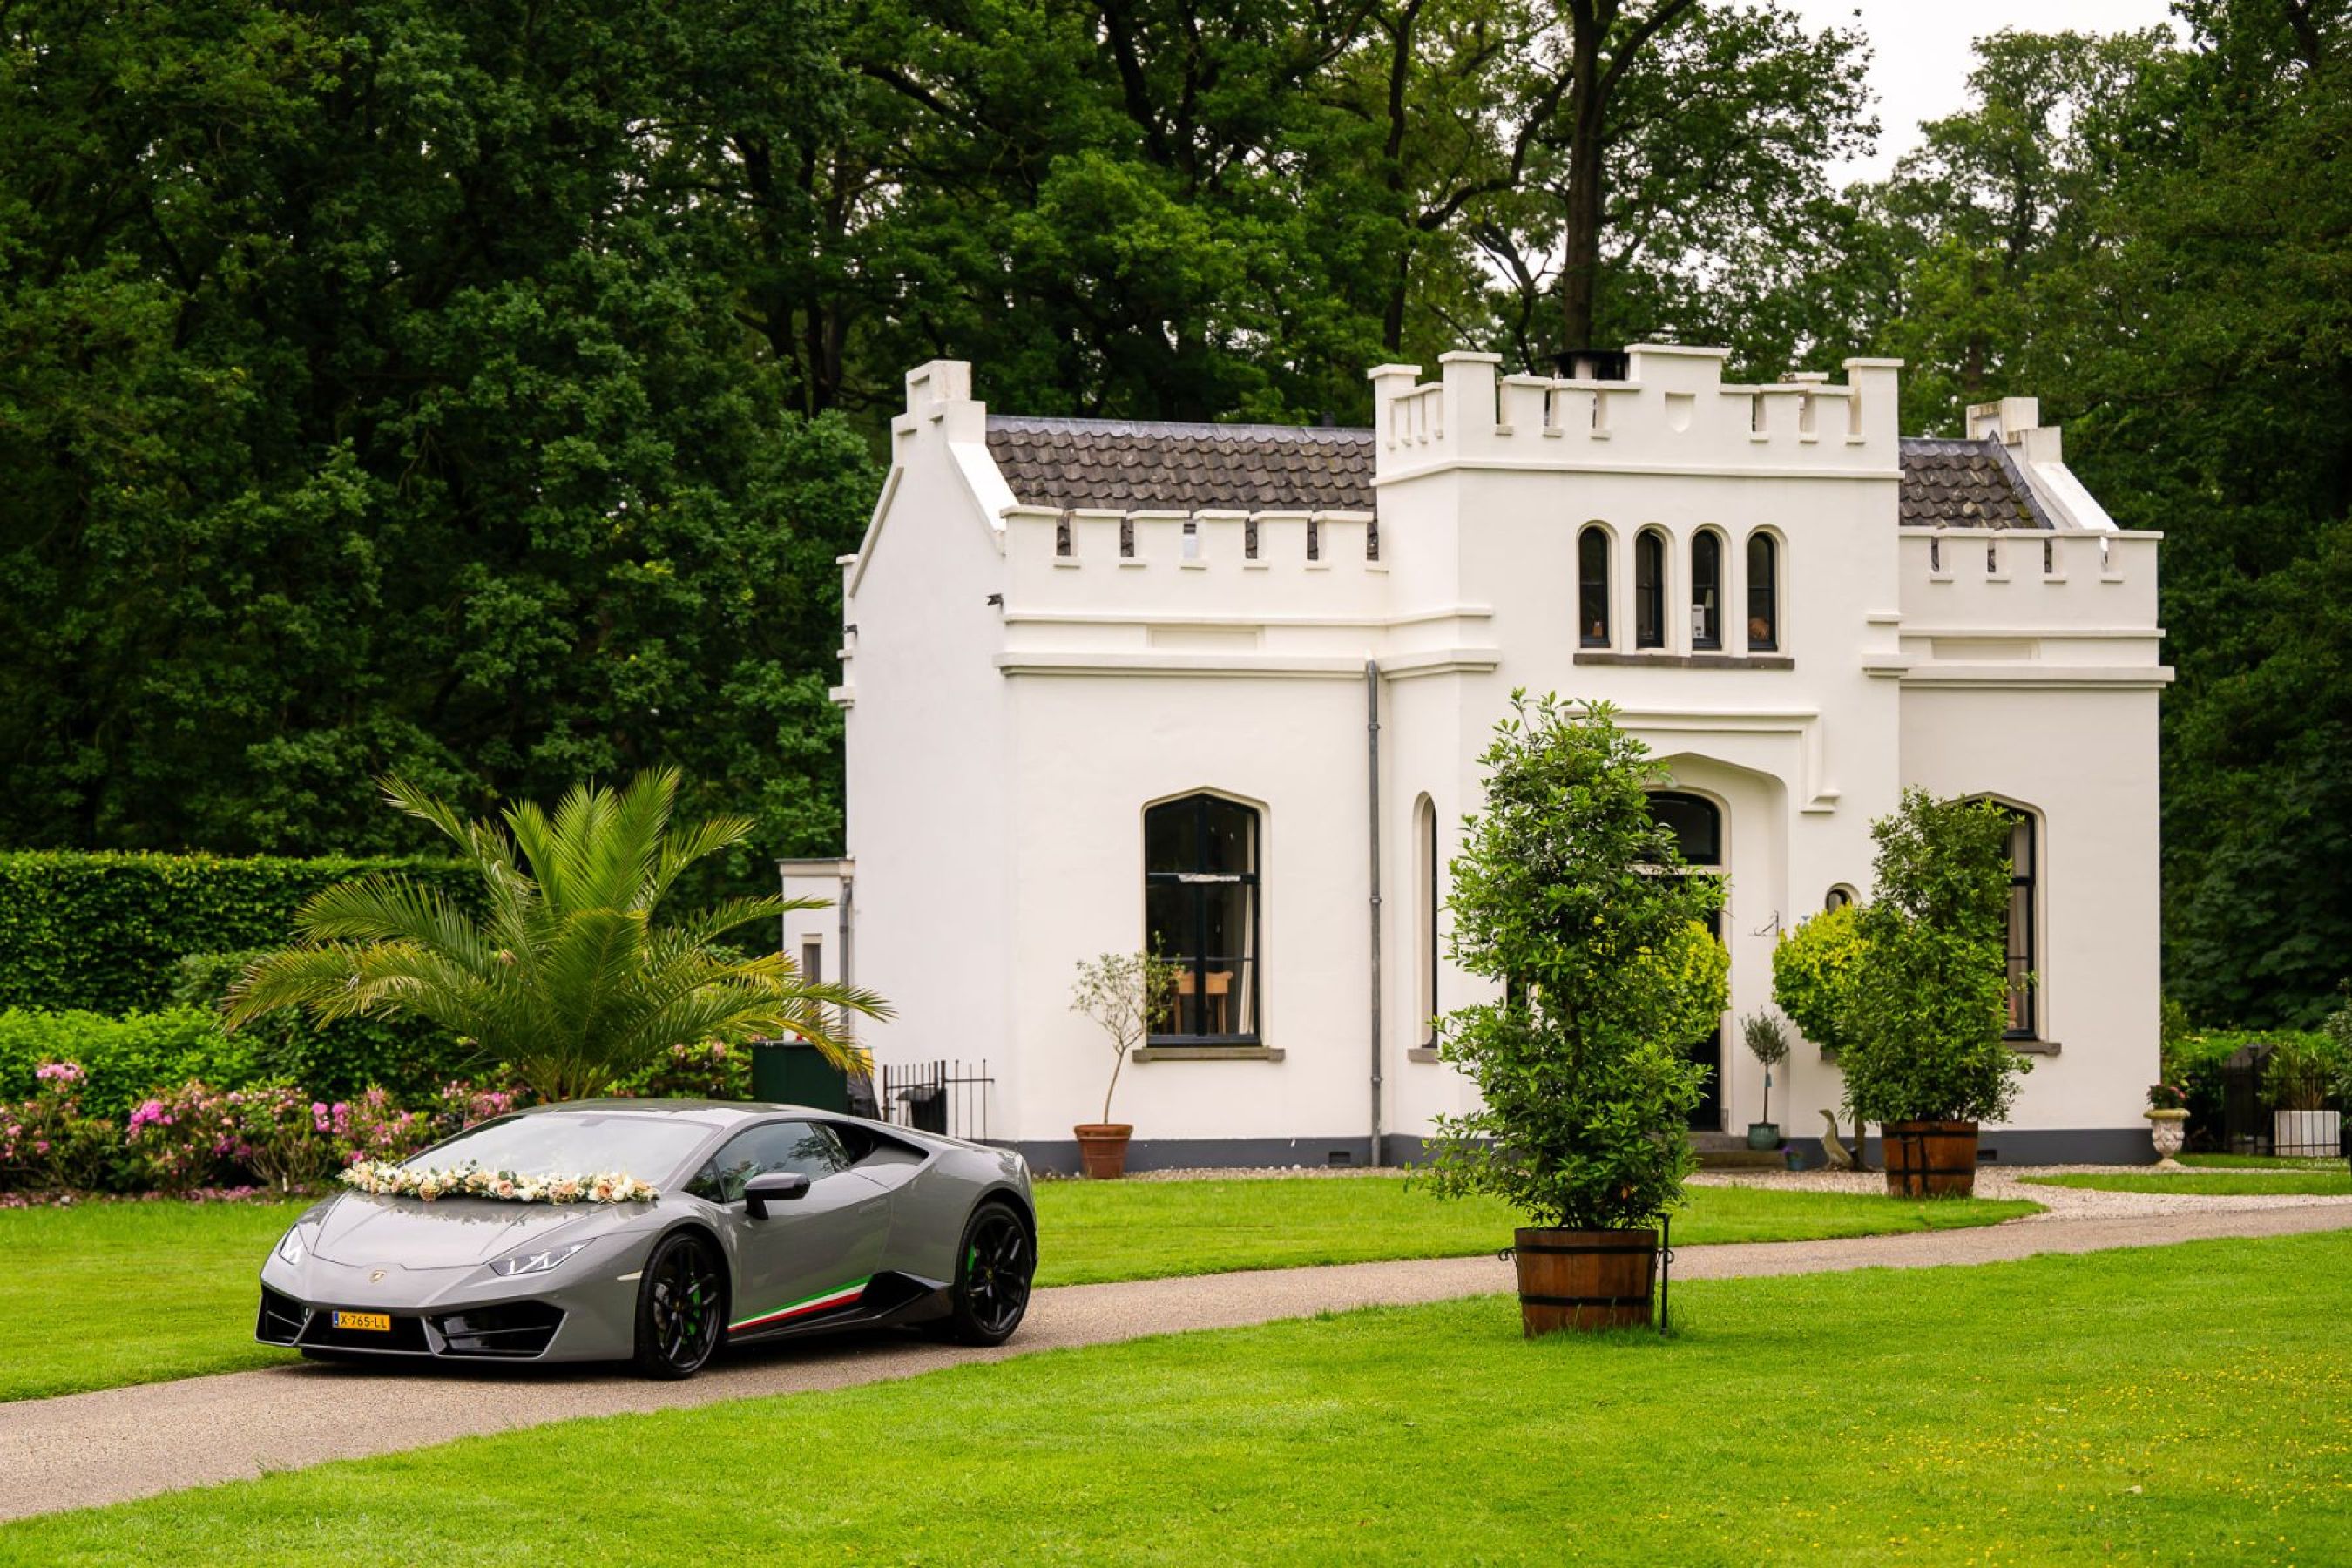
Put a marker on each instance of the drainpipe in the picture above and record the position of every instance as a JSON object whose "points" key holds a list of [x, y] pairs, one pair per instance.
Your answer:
{"points": [[1372, 749], [848, 1021]]}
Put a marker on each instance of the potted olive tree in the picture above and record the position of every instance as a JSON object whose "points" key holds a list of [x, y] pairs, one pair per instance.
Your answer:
{"points": [[1924, 1057], [1569, 898], [1768, 1042], [1122, 993], [1815, 968]]}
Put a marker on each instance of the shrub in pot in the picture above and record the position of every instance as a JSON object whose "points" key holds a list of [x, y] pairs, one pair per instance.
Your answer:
{"points": [[1924, 1055], [1122, 993], [1566, 897], [1816, 968], [1768, 1042]]}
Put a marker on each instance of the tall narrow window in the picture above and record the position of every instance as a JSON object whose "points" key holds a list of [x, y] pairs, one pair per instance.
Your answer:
{"points": [[1650, 589], [2022, 1024], [1425, 867], [1199, 904], [1592, 588], [1763, 594], [1706, 589], [1696, 824]]}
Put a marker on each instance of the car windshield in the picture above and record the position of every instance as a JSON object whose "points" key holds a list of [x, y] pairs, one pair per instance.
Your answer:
{"points": [[650, 1148]]}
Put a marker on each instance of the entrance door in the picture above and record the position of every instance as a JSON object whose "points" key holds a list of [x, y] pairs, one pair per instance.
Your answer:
{"points": [[1697, 826]]}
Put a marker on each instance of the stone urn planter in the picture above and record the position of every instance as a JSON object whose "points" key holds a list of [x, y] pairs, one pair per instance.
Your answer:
{"points": [[1929, 1159], [1102, 1148], [1583, 1280], [2167, 1129]]}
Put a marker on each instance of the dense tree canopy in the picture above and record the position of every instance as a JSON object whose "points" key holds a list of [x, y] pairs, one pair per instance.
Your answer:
{"points": [[481, 391]]}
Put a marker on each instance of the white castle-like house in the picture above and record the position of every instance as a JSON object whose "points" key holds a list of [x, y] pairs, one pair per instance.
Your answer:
{"points": [[1219, 690]]}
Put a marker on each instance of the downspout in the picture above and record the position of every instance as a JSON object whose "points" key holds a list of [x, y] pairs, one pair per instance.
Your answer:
{"points": [[848, 968], [1372, 749]]}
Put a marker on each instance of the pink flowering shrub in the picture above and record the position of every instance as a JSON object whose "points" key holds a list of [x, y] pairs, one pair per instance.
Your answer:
{"points": [[463, 1105], [186, 1138], [47, 1143], [370, 1128], [278, 1135]]}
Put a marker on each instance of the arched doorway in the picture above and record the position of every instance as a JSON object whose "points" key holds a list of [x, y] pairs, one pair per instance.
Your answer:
{"points": [[1696, 824]]}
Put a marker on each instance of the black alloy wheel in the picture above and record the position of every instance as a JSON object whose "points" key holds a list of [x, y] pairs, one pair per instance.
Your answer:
{"points": [[998, 1260], [681, 1307]]}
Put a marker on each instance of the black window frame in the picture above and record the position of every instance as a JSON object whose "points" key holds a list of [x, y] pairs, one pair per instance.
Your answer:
{"points": [[1650, 598], [1764, 591], [1591, 586], [1196, 880], [1431, 905], [1707, 622], [2023, 895]]}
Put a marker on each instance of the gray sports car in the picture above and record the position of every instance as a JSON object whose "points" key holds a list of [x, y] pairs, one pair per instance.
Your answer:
{"points": [[770, 1221]]}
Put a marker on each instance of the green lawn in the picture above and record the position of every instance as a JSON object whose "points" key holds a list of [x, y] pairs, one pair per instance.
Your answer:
{"points": [[189, 1269], [2205, 1184], [2261, 1163], [2120, 1407]]}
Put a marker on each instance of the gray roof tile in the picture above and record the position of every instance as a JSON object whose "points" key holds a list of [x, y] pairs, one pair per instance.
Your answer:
{"points": [[1142, 466]]}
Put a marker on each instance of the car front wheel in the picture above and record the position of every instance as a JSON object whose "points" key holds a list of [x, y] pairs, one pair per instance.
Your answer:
{"points": [[681, 1307]]}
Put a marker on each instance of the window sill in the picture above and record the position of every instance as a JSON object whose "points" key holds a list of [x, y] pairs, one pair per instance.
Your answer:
{"points": [[1693, 660], [2033, 1047], [1205, 1054], [1421, 1053]]}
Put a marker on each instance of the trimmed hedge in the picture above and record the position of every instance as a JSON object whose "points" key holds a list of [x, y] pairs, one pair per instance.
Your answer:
{"points": [[99, 933]]}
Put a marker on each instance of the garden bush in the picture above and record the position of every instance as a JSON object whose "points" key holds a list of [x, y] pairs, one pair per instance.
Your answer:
{"points": [[99, 933], [2194, 1060], [413, 1057], [127, 1059]]}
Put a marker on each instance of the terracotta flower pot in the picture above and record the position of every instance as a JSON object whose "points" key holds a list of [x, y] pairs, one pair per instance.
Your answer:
{"points": [[1102, 1148]]}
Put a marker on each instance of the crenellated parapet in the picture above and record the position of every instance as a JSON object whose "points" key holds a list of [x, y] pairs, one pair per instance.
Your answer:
{"points": [[1672, 412]]}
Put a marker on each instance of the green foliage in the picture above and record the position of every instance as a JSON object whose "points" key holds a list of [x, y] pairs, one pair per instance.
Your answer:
{"points": [[1566, 897], [569, 979], [412, 1058], [1121, 994], [128, 1058], [1930, 1003], [1815, 970], [102, 933]]}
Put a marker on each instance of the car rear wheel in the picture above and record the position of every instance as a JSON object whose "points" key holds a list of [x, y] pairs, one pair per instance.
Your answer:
{"points": [[994, 1269], [681, 1306]]}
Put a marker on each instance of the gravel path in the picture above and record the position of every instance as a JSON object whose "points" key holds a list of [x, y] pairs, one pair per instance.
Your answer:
{"points": [[84, 1449]]}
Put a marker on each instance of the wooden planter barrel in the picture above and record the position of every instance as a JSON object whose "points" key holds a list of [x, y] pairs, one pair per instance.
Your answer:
{"points": [[1929, 1159], [1584, 1279]]}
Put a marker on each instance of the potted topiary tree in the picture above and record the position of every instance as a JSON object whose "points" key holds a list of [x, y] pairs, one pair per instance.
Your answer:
{"points": [[1566, 897], [1122, 993], [1768, 1042], [1814, 970], [1924, 1056]]}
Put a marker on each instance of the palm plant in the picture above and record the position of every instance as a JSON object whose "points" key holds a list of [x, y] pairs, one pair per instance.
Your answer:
{"points": [[568, 977]]}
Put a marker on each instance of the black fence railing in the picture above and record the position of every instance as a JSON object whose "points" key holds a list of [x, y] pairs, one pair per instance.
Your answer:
{"points": [[948, 1097]]}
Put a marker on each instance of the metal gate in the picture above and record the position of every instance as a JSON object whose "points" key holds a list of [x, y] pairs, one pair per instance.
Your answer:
{"points": [[945, 1097]]}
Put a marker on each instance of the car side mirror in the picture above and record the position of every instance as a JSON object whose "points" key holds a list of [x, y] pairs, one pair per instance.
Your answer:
{"points": [[773, 1186]]}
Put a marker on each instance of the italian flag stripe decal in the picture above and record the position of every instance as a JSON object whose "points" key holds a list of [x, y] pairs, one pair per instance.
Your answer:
{"points": [[807, 1304]]}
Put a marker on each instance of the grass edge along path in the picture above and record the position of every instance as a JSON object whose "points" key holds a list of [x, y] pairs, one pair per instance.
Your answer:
{"points": [[191, 1269], [1888, 1416], [2217, 1184]]}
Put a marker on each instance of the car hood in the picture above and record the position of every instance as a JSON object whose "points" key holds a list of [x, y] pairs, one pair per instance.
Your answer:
{"points": [[449, 1233]]}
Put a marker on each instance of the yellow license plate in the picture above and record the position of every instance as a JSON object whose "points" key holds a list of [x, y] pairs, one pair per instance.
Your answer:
{"points": [[378, 1323]]}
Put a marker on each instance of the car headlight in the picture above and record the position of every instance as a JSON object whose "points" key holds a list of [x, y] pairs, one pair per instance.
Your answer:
{"points": [[534, 1262], [291, 1246]]}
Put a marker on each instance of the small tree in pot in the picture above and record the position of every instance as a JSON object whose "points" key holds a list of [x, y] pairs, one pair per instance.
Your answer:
{"points": [[1570, 897], [1768, 1042], [1816, 968], [1924, 1055], [1122, 993]]}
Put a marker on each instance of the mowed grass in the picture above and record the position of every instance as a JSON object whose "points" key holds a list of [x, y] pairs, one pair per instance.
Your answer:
{"points": [[2206, 1183], [2118, 1406], [1095, 1231], [105, 1294], [2261, 1163]]}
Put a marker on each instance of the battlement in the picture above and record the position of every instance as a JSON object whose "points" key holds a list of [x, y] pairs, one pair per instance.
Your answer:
{"points": [[1673, 411], [1977, 579], [1227, 561]]}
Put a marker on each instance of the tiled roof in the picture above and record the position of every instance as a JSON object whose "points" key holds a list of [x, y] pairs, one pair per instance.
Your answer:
{"points": [[1145, 466], [1139, 466], [1964, 484]]}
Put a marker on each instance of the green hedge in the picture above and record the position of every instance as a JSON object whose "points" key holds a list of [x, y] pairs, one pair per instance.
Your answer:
{"points": [[101, 933], [413, 1057]]}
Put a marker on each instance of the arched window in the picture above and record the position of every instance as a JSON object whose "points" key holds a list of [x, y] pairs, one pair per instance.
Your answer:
{"points": [[1199, 906], [1696, 824], [1426, 902], [2022, 1022], [1763, 594], [1706, 589], [1593, 587], [1650, 589], [1838, 898]]}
